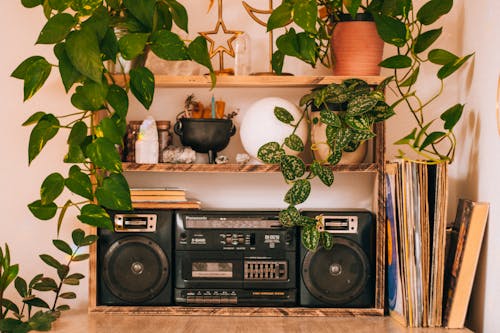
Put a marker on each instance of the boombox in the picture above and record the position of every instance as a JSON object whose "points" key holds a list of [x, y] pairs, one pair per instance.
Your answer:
{"points": [[135, 260], [234, 258], [342, 276], [229, 258]]}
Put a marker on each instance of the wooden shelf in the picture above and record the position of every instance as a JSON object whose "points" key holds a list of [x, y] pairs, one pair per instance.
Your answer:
{"points": [[253, 81], [234, 168]]}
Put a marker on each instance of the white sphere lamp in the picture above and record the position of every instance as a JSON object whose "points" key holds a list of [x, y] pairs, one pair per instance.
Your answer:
{"points": [[260, 126]]}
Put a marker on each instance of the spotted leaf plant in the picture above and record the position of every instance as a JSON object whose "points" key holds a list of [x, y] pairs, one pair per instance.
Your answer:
{"points": [[348, 110]]}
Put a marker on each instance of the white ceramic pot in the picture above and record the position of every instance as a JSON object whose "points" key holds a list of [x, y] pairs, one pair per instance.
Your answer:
{"points": [[318, 138]]}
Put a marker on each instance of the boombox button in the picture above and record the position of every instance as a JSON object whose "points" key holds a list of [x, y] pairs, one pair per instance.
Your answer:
{"points": [[233, 299]]}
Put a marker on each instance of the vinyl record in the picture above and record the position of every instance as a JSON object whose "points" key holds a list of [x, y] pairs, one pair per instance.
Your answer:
{"points": [[336, 276], [135, 269]]}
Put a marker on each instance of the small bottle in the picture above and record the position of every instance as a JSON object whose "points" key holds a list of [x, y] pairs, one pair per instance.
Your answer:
{"points": [[242, 55], [146, 146]]}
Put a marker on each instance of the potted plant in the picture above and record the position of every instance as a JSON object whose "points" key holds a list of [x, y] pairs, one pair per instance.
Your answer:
{"points": [[345, 130], [346, 28], [86, 35]]}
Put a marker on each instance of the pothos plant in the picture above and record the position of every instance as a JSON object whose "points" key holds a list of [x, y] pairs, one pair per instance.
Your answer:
{"points": [[346, 128], [86, 34]]}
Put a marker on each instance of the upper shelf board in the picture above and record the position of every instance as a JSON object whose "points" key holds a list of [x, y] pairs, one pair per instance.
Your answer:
{"points": [[255, 81]]}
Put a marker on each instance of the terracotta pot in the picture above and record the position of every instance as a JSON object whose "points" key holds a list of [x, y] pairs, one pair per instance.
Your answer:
{"points": [[356, 48]]}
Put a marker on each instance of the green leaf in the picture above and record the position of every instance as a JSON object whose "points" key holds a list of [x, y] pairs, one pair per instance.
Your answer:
{"points": [[441, 57], [79, 183], [280, 17], [69, 74], [343, 138], [271, 153], [305, 13], [451, 68], [179, 14], [277, 61], [72, 282], [289, 217], [21, 287], [330, 118], [103, 154], [62, 246], [326, 240], [56, 29], [63, 271], [168, 45], [36, 76], [77, 276], [294, 142], [335, 157], [42, 321], [133, 45], [68, 295], [142, 85], [78, 236], [46, 284], [43, 212], [292, 167], [283, 115], [88, 240], [352, 6], [108, 129], [433, 10], [37, 278], [397, 61], [310, 237], [63, 307], [90, 96], [299, 192], [46, 128], [359, 124], [78, 133], [79, 257], [118, 99], [88, 63], [98, 23], [51, 188], [407, 139], [422, 133], [59, 5], [361, 104], [85, 7], [37, 302], [198, 51], [31, 3], [391, 30], [142, 10], [306, 221], [288, 43], [307, 48], [34, 118], [411, 79], [95, 216], [431, 138], [21, 71], [60, 219], [109, 45], [114, 193], [332, 133], [51, 261], [381, 111], [452, 116], [8, 305], [324, 173], [426, 39]]}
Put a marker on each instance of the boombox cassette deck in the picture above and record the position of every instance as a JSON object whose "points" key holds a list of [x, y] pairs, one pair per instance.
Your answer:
{"points": [[234, 258]]}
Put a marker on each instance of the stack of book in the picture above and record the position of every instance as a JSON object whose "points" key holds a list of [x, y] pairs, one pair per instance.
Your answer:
{"points": [[430, 266], [165, 197]]}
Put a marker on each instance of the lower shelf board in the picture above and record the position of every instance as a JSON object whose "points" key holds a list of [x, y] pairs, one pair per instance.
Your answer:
{"points": [[237, 311]]}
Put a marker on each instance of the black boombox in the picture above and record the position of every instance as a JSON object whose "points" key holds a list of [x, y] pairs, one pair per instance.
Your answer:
{"points": [[229, 258]]}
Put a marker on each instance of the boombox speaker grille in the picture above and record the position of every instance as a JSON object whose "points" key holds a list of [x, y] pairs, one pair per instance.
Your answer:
{"points": [[135, 269], [338, 275]]}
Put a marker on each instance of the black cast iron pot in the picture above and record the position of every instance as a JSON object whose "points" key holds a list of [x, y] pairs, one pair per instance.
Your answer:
{"points": [[205, 135]]}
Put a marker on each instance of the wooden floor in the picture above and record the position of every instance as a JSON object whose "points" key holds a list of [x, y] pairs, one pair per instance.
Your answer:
{"points": [[79, 321]]}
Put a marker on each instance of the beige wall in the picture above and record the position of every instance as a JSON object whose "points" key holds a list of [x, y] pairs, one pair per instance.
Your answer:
{"points": [[473, 174]]}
